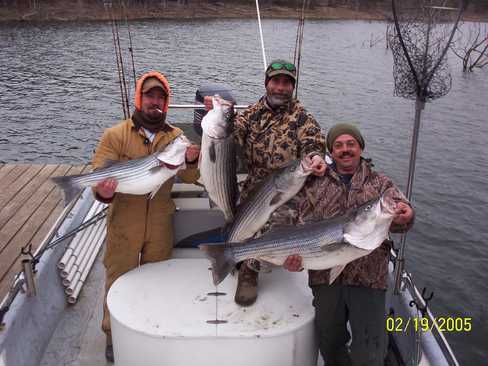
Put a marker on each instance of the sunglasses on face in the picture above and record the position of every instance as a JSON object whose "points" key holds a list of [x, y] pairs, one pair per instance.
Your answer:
{"points": [[279, 66]]}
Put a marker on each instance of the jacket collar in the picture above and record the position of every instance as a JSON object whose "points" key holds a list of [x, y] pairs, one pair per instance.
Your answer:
{"points": [[358, 178]]}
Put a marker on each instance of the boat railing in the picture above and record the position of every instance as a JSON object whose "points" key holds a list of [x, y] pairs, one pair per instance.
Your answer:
{"points": [[201, 106], [421, 303]]}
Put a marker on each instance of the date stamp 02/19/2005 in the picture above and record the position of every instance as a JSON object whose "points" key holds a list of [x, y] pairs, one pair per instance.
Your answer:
{"points": [[417, 324]]}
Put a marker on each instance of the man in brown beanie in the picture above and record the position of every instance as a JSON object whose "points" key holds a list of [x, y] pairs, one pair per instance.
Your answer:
{"points": [[139, 229], [357, 295], [271, 133]]}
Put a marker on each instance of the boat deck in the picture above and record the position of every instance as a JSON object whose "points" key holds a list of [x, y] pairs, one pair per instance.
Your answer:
{"points": [[29, 206]]}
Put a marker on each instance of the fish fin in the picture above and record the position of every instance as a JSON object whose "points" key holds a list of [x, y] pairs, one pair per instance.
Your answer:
{"points": [[276, 198], [259, 265], [225, 231], [154, 191], [69, 187], [211, 152], [228, 217], [221, 260], [335, 272], [266, 267]]}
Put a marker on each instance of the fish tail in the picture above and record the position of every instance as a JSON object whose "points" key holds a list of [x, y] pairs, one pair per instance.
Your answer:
{"points": [[221, 259], [69, 187]]}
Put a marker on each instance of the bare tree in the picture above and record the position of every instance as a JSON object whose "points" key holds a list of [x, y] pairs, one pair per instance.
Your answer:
{"points": [[472, 47]]}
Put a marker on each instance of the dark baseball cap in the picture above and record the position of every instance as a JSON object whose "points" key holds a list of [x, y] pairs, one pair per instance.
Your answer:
{"points": [[281, 67]]}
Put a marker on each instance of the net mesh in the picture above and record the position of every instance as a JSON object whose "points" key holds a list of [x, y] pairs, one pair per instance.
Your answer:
{"points": [[419, 41]]}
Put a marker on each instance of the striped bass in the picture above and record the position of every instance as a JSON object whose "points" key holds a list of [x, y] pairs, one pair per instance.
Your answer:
{"points": [[218, 161], [138, 176], [322, 244], [275, 191]]}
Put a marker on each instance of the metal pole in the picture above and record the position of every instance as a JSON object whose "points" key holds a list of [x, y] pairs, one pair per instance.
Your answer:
{"points": [[400, 262], [201, 106], [29, 277]]}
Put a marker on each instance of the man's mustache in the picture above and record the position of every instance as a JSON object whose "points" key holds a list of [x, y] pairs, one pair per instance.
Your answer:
{"points": [[346, 153], [281, 96]]}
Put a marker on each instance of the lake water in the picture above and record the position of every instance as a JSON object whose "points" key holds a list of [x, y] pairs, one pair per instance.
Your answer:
{"points": [[59, 91]]}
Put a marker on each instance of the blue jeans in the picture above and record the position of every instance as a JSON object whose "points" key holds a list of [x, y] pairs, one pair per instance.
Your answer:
{"points": [[364, 308]]}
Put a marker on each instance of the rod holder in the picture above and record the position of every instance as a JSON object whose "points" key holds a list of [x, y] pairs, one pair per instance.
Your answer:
{"points": [[30, 283], [399, 268]]}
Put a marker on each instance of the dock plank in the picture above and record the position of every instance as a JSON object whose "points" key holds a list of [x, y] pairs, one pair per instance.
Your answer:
{"points": [[13, 175], [33, 227], [10, 261], [27, 191], [9, 191], [14, 224], [6, 169]]}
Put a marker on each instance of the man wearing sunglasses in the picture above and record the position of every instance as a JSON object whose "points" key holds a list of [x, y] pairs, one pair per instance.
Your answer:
{"points": [[271, 133]]}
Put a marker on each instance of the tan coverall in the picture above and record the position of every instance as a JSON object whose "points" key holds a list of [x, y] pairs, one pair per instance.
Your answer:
{"points": [[139, 229]]}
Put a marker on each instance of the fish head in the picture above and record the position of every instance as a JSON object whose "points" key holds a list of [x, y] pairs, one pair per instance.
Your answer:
{"points": [[369, 224], [227, 108], [173, 154], [294, 174], [218, 122], [388, 202]]}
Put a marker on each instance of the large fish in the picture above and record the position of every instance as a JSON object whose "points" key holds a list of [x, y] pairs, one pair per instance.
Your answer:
{"points": [[275, 191], [138, 176], [218, 162], [322, 245]]}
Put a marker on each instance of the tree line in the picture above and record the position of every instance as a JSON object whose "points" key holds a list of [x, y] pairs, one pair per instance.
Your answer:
{"points": [[359, 5]]}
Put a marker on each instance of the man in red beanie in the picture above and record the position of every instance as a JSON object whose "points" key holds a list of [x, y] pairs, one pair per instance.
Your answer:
{"points": [[139, 229], [271, 133]]}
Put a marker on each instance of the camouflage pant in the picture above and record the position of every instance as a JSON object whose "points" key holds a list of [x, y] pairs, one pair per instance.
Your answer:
{"points": [[364, 308]]}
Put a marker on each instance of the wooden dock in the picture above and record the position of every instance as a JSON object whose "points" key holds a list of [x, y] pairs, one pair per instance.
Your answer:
{"points": [[30, 203]]}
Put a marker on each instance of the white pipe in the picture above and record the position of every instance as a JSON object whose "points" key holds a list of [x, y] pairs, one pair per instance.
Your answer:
{"points": [[77, 238], [69, 250], [96, 229], [70, 288], [96, 247], [77, 288], [68, 261], [85, 247], [79, 248], [69, 278], [261, 35], [76, 291], [80, 267]]}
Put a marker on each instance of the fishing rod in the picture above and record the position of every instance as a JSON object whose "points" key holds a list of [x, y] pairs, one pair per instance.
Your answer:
{"points": [[131, 49], [261, 35], [124, 83], [298, 44], [118, 59]]}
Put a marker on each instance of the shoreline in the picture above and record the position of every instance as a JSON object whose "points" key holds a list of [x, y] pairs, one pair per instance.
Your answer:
{"points": [[61, 12]]}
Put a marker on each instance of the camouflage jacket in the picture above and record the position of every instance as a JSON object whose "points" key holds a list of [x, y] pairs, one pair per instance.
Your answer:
{"points": [[270, 139], [327, 197]]}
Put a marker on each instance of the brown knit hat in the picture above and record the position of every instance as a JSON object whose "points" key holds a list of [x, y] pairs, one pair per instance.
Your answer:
{"points": [[344, 129]]}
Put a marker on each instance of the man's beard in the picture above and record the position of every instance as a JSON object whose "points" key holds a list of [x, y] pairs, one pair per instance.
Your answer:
{"points": [[277, 100]]}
